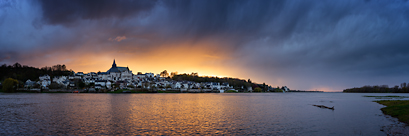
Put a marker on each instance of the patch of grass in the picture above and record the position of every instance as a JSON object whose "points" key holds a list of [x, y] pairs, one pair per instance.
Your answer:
{"points": [[230, 91], [53, 92], [388, 97], [398, 109], [132, 91], [393, 96], [159, 91]]}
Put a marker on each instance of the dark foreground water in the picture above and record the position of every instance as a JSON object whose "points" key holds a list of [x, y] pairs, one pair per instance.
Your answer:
{"points": [[194, 114]]}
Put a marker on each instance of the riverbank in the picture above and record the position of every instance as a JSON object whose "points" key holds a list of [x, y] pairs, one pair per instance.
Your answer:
{"points": [[396, 108]]}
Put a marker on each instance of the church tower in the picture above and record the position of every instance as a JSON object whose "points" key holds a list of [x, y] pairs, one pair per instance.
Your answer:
{"points": [[114, 65]]}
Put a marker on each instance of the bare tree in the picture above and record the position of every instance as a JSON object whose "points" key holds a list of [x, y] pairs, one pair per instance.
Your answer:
{"points": [[173, 74], [164, 73]]}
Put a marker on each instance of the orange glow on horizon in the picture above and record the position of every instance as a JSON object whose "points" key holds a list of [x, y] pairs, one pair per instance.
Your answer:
{"points": [[206, 58]]}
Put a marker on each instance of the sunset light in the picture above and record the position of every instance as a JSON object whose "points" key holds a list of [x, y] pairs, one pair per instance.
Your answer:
{"points": [[204, 67]]}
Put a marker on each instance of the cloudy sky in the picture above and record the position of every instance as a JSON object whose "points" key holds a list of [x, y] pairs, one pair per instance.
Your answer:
{"points": [[326, 45]]}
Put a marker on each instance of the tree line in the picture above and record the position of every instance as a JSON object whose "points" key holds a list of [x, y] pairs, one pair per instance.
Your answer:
{"points": [[403, 88], [235, 82], [23, 72]]}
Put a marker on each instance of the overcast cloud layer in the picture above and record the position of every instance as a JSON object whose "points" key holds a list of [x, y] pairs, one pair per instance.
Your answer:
{"points": [[304, 44]]}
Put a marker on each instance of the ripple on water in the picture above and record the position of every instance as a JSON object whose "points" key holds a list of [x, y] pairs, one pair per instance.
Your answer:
{"points": [[193, 114]]}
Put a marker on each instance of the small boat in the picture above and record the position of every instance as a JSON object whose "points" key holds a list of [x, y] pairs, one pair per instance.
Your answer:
{"points": [[76, 92]]}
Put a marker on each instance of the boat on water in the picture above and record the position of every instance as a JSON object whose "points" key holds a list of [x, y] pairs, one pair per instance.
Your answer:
{"points": [[75, 92]]}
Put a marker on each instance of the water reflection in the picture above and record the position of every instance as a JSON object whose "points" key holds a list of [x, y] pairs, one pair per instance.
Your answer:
{"points": [[190, 114]]}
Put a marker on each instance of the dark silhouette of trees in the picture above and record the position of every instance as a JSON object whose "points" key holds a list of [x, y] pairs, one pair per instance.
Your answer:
{"points": [[81, 84], [55, 86], [164, 73], [194, 74], [235, 82], [379, 89], [173, 74], [23, 73]]}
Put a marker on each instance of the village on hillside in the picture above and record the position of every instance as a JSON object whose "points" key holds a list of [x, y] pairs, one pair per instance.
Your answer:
{"points": [[122, 78]]}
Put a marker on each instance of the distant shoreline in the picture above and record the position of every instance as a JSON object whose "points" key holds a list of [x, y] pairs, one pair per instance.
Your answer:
{"points": [[141, 91]]}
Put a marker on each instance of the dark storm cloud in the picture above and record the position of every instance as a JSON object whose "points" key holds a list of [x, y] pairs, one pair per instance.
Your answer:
{"points": [[286, 39], [68, 11], [215, 17]]}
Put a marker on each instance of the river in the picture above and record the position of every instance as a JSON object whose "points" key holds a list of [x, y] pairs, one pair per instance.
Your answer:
{"points": [[195, 114]]}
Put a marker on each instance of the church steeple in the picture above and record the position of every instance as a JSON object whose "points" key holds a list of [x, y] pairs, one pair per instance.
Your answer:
{"points": [[114, 65]]}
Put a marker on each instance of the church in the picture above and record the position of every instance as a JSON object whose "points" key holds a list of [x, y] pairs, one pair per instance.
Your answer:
{"points": [[119, 73]]}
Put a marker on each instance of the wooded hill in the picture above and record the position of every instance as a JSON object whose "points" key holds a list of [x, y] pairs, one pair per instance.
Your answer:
{"points": [[237, 83], [404, 88], [23, 73]]}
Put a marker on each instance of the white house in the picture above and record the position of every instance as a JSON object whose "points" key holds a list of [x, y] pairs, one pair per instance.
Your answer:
{"points": [[185, 85], [59, 80], [224, 85], [149, 75], [29, 83], [45, 77], [101, 83], [79, 74], [139, 76], [104, 76], [126, 75], [45, 83], [285, 88], [215, 85], [177, 85], [108, 84], [88, 80], [77, 77], [87, 76]]}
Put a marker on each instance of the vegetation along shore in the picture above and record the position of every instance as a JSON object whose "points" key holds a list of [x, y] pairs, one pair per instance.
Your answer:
{"points": [[396, 108]]}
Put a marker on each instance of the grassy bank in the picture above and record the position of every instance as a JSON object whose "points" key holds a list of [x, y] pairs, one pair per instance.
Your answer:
{"points": [[168, 91], [129, 91], [391, 96], [387, 97], [230, 91], [396, 108]]}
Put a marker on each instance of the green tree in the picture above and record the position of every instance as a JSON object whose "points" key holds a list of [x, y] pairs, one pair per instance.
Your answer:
{"points": [[10, 85], [81, 84], [257, 89], [90, 85], [54, 86]]}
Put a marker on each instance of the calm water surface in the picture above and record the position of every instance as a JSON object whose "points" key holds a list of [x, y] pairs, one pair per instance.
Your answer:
{"points": [[194, 114]]}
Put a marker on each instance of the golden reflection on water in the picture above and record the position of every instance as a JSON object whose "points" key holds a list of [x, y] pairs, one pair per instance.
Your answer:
{"points": [[168, 114], [155, 114], [189, 114]]}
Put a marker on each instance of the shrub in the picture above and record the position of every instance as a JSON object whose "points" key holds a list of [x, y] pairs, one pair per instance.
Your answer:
{"points": [[10, 85], [257, 89], [55, 86]]}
